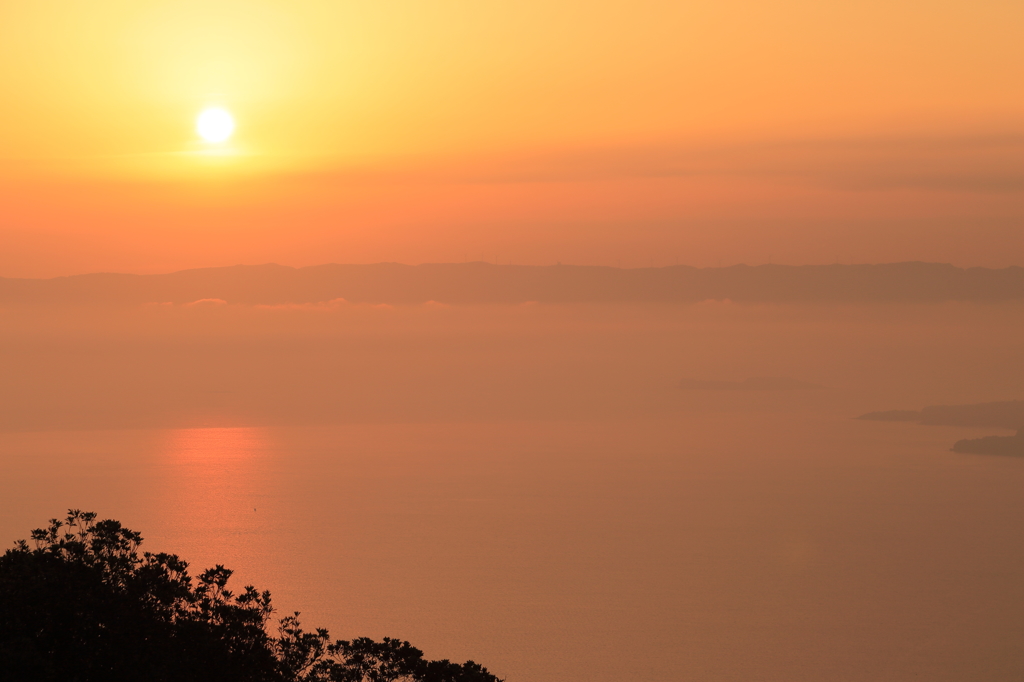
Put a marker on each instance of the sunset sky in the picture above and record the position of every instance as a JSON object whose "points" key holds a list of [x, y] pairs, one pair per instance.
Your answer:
{"points": [[634, 134], [566, 474]]}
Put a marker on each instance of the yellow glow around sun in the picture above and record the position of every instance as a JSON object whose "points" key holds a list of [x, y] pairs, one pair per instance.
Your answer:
{"points": [[215, 124]]}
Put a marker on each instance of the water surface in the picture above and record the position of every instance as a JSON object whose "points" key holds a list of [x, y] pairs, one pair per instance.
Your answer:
{"points": [[528, 487], [797, 547]]}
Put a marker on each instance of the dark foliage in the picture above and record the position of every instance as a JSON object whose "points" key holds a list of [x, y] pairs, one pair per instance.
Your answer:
{"points": [[82, 605]]}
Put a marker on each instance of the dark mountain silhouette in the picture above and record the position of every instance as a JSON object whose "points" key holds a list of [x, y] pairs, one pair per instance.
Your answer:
{"points": [[1005, 414], [471, 283]]}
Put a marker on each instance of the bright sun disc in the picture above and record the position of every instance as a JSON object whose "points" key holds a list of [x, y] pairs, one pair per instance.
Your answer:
{"points": [[215, 124]]}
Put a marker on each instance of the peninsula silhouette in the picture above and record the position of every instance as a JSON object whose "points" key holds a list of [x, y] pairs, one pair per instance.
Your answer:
{"points": [[1008, 414]]}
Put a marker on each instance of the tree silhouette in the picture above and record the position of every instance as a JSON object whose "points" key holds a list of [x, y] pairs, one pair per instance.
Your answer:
{"points": [[82, 605]]}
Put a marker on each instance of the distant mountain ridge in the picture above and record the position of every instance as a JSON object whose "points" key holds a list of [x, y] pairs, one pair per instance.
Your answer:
{"points": [[477, 283]]}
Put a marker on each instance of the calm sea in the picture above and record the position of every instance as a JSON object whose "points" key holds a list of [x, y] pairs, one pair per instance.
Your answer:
{"points": [[717, 544]]}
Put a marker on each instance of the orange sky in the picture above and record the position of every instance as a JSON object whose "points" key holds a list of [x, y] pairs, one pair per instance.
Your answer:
{"points": [[591, 132]]}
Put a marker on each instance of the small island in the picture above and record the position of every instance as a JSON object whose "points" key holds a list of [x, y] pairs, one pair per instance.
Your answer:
{"points": [[751, 384]]}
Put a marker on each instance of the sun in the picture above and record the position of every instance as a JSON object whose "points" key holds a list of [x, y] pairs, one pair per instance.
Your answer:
{"points": [[215, 124]]}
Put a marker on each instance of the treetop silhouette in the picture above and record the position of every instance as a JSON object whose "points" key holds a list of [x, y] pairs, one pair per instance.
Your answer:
{"points": [[81, 604]]}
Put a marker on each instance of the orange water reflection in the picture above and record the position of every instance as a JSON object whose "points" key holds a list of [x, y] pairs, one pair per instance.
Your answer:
{"points": [[214, 492]]}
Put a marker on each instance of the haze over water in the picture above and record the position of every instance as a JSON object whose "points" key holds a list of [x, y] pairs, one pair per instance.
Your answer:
{"points": [[533, 332], [544, 497]]}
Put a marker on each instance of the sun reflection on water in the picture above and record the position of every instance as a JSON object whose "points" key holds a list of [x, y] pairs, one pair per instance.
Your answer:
{"points": [[216, 492], [214, 445]]}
